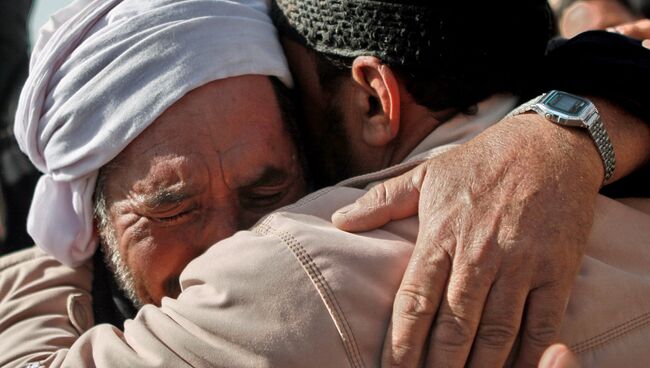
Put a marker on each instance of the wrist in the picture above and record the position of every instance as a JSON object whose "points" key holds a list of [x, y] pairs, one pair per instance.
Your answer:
{"points": [[629, 136], [559, 153]]}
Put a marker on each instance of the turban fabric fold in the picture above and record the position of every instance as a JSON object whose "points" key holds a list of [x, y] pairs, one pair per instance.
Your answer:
{"points": [[101, 72]]}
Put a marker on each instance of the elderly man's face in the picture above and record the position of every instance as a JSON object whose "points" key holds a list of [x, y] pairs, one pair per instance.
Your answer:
{"points": [[212, 164]]}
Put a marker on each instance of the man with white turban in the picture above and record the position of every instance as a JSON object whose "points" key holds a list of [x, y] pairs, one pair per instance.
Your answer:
{"points": [[138, 106], [293, 291], [117, 68]]}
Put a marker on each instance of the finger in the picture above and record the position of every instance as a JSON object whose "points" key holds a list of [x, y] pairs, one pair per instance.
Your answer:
{"points": [[579, 17], [393, 199], [499, 324], [639, 29], [559, 356], [416, 304], [460, 312], [545, 308]]}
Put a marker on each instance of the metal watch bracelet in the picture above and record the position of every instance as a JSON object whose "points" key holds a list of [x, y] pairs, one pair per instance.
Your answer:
{"points": [[604, 145]]}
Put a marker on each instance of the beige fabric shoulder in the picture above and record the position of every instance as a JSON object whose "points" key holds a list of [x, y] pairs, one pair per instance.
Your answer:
{"points": [[44, 306]]}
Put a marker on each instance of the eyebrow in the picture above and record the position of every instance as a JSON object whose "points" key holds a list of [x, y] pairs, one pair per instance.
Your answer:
{"points": [[164, 197]]}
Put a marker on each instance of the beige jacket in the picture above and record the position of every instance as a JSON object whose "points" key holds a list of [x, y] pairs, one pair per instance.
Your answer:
{"points": [[296, 292]]}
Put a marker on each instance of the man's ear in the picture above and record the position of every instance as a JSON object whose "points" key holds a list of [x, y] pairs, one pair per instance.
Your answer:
{"points": [[378, 95]]}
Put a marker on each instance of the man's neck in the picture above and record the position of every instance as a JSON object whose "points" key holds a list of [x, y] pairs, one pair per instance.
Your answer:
{"points": [[416, 123]]}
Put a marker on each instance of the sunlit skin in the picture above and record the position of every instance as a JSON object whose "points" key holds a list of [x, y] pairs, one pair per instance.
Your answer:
{"points": [[212, 164]]}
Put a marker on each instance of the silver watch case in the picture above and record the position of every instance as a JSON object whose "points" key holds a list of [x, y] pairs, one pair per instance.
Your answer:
{"points": [[586, 115]]}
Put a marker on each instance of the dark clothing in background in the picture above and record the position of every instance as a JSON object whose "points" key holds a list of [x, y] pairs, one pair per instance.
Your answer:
{"points": [[608, 65], [640, 7], [17, 175], [110, 305]]}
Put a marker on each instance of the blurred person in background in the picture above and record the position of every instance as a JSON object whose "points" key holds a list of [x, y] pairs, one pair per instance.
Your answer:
{"points": [[586, 15], [17, 175]]}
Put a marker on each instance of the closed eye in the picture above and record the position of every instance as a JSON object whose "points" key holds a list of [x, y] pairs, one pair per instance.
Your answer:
{"points": [[171, 219], [261, 200], [178, 216]]}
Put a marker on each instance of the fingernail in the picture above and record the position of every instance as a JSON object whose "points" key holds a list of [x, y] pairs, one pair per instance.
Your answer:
{"points": [[646, 44], [579, 18], [614, 30], [550, 357]]}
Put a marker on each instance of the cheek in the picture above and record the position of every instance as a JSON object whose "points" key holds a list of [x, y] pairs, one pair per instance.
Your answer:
{"points": [[153, 264]]}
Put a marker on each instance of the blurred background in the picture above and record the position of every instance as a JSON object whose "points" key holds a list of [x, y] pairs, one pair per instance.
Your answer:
{"points": [[19, 24], [41, 10]]}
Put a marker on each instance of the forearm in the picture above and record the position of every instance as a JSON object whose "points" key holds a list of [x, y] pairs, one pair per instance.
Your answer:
{"points": [[568, 155]]}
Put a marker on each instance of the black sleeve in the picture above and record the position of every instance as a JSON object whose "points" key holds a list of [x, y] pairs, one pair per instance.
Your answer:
{"points": [[602, 64], [607, 65]]}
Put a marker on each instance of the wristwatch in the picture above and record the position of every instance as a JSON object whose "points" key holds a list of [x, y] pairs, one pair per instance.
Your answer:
{"points": [[570, 110]]}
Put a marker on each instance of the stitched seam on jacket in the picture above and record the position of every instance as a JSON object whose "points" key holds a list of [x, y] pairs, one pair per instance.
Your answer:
{"points": [[319, 281], [612, 334]]}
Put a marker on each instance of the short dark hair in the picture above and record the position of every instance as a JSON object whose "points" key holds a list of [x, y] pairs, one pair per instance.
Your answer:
{"points": [[448, 54]]}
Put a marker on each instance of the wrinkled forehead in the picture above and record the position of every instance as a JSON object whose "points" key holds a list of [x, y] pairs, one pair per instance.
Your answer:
{"points": [[233, 123]]}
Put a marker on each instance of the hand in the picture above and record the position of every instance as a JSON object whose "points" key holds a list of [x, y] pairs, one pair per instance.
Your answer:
{"points": [[587, 15], [504, 220], [639, 30], [558, 356]]}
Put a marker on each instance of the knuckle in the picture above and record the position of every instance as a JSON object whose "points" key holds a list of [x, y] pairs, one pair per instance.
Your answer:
{"points": [[467, 289], [643, 24], [626, 30], [429, 261], [418, 175], [379, 194], [480, 263], [452, 333], [413, 305], [496, 336], [399, 355], [541, 332], [462, 296]]}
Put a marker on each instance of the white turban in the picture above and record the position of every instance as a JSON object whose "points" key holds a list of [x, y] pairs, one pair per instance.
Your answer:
{"points": [[101, 72]]}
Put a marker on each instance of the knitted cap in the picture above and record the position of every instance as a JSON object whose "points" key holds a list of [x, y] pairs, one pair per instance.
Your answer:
{"points": [[418, 33]]}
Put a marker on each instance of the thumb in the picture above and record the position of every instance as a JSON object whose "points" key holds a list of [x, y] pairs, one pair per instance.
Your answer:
{"points": [[558, 356], [393, 199]]}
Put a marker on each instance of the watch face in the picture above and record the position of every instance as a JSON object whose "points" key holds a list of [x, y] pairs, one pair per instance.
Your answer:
{"points": [[566, 103]]}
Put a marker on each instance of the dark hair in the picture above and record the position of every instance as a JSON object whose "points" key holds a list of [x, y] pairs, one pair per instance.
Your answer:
{"points": [[448, 55], [286, 98]]}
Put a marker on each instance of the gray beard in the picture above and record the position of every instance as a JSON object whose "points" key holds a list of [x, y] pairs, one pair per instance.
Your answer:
{"points": [[123, 277]]}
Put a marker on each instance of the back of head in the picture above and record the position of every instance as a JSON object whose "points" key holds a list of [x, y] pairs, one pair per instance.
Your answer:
{"points": [[449, 53]]}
